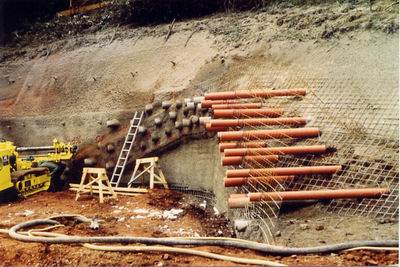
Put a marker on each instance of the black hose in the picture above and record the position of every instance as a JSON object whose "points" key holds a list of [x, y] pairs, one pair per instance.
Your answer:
{"points": [[13, 232]]}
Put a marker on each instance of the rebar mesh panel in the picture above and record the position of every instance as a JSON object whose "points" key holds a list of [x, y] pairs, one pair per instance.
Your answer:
{"points": [[357, 120]]}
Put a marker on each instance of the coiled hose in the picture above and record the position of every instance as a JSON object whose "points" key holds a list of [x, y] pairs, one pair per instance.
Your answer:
{"points": [[230, 242]]}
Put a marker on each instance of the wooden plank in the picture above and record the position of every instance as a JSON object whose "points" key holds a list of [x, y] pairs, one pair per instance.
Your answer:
{"points": [[83, 9], [117, 189], [95, 191]]}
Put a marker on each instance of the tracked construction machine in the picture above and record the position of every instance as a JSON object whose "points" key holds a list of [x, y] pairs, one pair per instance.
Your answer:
{"points": [[28, 170]]}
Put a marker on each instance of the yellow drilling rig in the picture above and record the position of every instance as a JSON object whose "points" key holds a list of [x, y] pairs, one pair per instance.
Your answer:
{"points": [[25, 174]]}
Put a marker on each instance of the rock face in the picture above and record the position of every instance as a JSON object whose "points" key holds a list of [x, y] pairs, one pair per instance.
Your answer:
{"points": [[149, 108], [110, 165], [89, 161], [110, 148]]}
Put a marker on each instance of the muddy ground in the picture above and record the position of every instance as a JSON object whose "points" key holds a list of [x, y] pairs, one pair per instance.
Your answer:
{"points": [[138, 216]]}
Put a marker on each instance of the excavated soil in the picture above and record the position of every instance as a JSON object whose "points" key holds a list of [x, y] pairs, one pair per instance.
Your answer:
{"points": [[127, 216]]}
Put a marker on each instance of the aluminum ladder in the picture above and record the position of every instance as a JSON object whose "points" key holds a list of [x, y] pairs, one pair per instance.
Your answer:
{"points": [[126, 148]]}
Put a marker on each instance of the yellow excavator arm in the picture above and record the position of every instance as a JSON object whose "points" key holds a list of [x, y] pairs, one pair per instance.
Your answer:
{"points": [[55, 153]]}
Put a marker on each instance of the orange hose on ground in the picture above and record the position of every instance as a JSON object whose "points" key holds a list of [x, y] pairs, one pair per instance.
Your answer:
{"points": [[236, 106], [309, 170], [275, 150], [269, 134], [238, 181], [229, 145], [240, 113], [245, 199], [255, 94], [227, 161], [257, 122]]}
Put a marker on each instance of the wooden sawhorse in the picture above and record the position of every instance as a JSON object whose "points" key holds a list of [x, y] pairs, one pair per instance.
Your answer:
{"points": [[151, 166], [99, 178]]}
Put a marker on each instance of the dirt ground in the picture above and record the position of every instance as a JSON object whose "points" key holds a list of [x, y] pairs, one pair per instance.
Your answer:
{"points": [[137, 216]]}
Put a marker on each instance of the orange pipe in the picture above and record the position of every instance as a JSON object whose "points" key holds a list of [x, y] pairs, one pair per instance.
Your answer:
{"points": [[238, 181], [275, 150], [227, 161], [236, 106], [269, 134], [255, 93], [244, 200], [258, 122], [210, 128], [223, 146], [209, 103], [284, 171], [240, 113]]}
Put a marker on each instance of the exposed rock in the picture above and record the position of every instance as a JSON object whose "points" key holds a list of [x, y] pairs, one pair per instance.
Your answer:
{"points": [[186, 122], [155, 137], [198, 99], [142, 130], [241, 225], [304, 226], [172, 115], [114, 123], [110, 165], [178, 125], [166, 257], [168, 131], [89, 161], [166, 105], [178, 104], [148, 108], [110, 148], [190, 105], [157, 122], [195, 120]]}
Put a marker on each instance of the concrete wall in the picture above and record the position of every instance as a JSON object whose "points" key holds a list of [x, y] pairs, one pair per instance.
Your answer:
{"points": [[197, 165]]}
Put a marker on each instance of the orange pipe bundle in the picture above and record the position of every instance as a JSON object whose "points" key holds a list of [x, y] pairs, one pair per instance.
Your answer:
{"points": [[236, 106], [245, 113], [292, 150], [230, 145], [255, 93], [309, 170], [257, 122], [238, 181], [243, 200], [227, 161], [269, 134], [209, 103]]}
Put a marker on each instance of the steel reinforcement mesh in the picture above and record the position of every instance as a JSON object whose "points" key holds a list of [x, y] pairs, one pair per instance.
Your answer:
{"points": [[359, 123]]}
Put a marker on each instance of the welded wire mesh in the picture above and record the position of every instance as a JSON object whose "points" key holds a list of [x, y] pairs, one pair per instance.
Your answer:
{"points": [[358, 121]]}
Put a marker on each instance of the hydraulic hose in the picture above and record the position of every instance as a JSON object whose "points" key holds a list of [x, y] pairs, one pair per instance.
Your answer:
{"points": [[13, 232], [189, 251]]}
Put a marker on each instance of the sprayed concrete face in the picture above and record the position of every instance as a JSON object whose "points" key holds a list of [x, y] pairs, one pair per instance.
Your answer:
{"points": [[197, 164]]}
